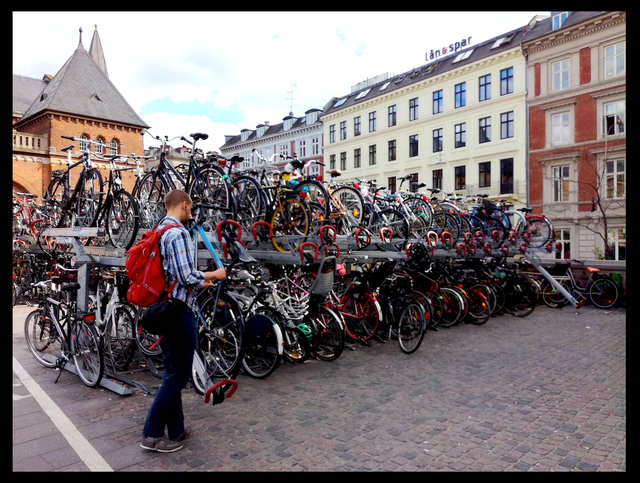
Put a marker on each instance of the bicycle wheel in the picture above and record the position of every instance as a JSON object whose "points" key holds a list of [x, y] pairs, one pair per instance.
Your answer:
{"points": [[350, 209], [437, 308], [520, 299], [479, 309], [290, 223], [390, 218], [88, 357], [603, 293], [552, 297], [314, 191], [150, 198], [296, 346], [122, 220], [222, 340], [411, 328], [444, 221], [249, 202], [453, 307], [87, 205], [361, 313], [119, 341], [43, 339], [421, 208], [327, 341], [261, 356], [539, 229], [147, 343], [211, 187]]}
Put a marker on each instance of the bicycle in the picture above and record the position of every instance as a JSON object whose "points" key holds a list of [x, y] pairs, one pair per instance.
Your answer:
{"points": [[57, 333], [28, 218], [81, 206], [599, 289]]}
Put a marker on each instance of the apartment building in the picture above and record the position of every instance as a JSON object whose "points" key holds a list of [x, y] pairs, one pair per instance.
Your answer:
{"points": [[576, 78], [457, 123], [299, 136]]}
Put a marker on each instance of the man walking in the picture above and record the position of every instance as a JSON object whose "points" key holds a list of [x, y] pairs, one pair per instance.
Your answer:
{"points": [[179, 343]]}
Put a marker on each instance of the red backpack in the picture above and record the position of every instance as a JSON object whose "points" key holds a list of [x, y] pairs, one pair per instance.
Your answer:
{"points": [[144, 269]]}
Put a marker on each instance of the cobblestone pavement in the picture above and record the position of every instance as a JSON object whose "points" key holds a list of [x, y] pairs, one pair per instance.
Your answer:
{"points": [[542, 393]]}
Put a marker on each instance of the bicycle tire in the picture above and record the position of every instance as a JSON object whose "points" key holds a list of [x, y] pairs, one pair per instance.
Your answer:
{"points": [[261, 357], [119, 343], [316, 192], [390, 218], [37, 333], [479, 308], [362, 322], [88, 356], [411, 327], [250, 206], [86, 208], [150, 196], [296, 348], [453, 307], [122, 220], [603, 293], [521, 299], [211, 186], [539, 229], [327, 341], [353, 202], [552, 297], [146, 342], [290, 223]]}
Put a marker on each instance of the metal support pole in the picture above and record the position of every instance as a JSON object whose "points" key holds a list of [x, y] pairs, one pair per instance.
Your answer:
{"points": [[552, 280]]}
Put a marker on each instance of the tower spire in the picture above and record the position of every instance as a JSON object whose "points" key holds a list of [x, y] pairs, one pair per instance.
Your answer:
{"points": [[96, 53]]}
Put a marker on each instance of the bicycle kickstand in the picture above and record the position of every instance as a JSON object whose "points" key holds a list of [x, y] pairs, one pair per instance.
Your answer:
{"points": [[60, 367]]}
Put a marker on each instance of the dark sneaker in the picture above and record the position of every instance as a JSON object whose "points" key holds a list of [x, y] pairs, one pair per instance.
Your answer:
{"points": [[186, 434], [161, 445]]}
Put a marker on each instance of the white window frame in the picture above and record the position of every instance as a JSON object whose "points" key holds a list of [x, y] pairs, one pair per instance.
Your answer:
{"points": [[315, 145], [560, 128], [558, 20], [562, 74], [613, 109], [610, 63], [616, 232], [558, 183], [613, 175], [563, 235], [302, 148]]}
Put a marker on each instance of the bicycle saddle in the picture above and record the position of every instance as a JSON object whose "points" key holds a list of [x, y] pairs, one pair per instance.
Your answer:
{"points": [[525, 210], [334, 172], [198, 135], [243, 255]]}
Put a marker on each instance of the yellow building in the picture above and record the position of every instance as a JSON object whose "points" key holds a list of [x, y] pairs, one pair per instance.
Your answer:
{"points": [[457, 123]]}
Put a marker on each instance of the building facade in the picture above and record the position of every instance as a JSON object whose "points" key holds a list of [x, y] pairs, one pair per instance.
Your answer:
{"points": [[576, 93], [299, 136], [457, 123], [79, 101]]}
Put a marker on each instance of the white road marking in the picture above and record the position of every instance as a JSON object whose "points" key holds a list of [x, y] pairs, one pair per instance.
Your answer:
{"points": [[79, 443]]}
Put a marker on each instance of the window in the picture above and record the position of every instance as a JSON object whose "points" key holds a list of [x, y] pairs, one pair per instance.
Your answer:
{"points": [[485, 130], [392, 115], [343, 130], [506, 81], [460, 177], [356, 126], [332, 161], [413, 145], [437, 140], [315, 145], [560, 176], [385, 85], [332, 133], [614, 117], [559, 19], [437, 179], [343, 161], [372, 155], [339, 102], [100, 147], [413, 109], [461, 94], [484, 174], [564, 237], [615, 178], [506, 125], [363, 93], [437, 102], [391, 184], [302, 148], [114, 147], [284, 149], [506, 176], [617, 241], [392, 150], [372, 121], [502, 41], [462, 56], [615, 60], [560, 75], [485, 88], [83, 142], [460, 135], [560, 128], [356, 158]]}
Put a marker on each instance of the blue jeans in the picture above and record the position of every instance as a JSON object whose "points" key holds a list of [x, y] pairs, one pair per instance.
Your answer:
{"points": [[178, 348]]}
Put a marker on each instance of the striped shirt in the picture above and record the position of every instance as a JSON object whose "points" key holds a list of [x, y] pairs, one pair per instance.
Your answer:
{"points": [[177, 250]]}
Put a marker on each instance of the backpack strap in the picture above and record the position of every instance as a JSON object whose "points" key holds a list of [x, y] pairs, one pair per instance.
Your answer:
{"points": [[160, 233]]}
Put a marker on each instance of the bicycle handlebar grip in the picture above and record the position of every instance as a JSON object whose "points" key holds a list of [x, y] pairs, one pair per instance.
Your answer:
{"points": [[383, 230], [432, 238], [261, 223], [311, 244], [68, 137], [327, 227], [234, 387]]}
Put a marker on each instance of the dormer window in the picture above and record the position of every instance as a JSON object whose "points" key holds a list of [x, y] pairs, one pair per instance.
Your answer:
{"points": [[385, 85], [559, 19], [340, 102], [502, 41], [363, 93], [463, 56]]}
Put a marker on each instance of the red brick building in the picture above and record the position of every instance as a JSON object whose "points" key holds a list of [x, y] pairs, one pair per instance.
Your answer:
{"points": [[79, 101], [576, 83]]}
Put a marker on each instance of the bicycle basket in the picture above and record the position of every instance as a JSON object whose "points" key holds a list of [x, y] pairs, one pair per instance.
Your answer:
{"points": [[323, 283]]}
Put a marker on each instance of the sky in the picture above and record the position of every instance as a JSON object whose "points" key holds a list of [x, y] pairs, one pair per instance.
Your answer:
{"points": [[220, 72]]}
